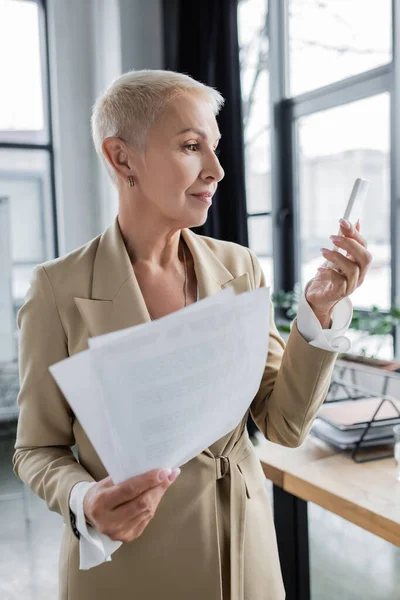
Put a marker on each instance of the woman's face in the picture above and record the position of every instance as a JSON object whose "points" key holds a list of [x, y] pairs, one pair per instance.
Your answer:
{"points": [[180, 162]]}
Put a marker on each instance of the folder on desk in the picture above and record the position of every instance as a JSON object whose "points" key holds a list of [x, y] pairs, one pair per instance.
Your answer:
{"points": [[355, 414], [342, 424]]}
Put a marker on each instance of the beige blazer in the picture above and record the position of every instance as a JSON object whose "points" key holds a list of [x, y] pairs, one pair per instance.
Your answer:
{"points": [[213, 534]]}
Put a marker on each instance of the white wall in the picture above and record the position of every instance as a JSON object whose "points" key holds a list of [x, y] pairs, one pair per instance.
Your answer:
{"points": [[71, 76], [107, 64], [91, 43], [7, 349]]}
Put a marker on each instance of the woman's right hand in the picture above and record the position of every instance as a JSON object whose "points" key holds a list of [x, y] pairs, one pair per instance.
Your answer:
{"points": [[122, 511]]}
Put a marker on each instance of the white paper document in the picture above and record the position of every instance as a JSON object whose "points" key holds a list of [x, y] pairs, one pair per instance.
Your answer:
{"points": [[156, 395]]}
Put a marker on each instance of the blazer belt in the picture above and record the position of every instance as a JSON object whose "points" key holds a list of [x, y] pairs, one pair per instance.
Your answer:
{"points": [[228, 465]]}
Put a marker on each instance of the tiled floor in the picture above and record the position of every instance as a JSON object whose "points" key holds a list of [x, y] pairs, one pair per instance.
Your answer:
{"points": [[347, 563], [29, 538]]}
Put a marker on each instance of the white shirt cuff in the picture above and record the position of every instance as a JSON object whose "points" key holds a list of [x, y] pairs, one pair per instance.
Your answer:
{"points": [[333, 339], [94, 547]]}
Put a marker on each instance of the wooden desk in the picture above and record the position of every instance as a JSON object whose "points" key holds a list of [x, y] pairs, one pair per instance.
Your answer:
{"points": [[366, 494]]}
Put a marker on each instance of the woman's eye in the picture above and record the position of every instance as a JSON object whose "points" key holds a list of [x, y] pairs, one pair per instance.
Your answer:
{"points": [[194, 147]]}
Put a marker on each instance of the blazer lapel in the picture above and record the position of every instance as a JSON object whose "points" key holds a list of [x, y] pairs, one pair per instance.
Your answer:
{"points": [[117, 301], [212, 276], [125, 309]]}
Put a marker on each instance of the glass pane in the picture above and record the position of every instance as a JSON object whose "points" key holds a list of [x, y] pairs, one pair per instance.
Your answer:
{"points": [[260, 240], [377, 346], [335, 147], [26, 224], [329, 41], [254, 47], [21, 98]]}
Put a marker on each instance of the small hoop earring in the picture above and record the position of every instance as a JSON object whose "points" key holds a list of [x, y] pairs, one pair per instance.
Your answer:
{"points": [[131, 181]]}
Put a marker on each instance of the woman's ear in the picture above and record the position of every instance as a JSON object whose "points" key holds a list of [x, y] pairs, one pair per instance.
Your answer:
{"points": [[116, 152]]}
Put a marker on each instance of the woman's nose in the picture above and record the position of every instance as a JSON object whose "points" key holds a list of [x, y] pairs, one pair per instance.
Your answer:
{"points": [[213, 169]]}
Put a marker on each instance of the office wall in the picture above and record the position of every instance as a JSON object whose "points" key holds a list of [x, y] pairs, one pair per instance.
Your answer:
{"points": [[91, 43]]}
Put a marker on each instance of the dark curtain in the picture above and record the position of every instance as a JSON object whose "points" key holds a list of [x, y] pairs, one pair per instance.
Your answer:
{"points": [[201, 40]]}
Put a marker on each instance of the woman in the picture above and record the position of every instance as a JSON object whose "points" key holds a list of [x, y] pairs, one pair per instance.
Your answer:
{"points": [[207, 534]]}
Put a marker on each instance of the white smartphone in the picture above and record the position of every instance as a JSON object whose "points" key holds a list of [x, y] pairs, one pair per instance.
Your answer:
{"points": [[354, 208]]}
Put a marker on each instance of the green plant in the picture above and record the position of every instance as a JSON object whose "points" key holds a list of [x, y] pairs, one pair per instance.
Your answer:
{"points": [[375, 322], [371, 322], [286, 305]]}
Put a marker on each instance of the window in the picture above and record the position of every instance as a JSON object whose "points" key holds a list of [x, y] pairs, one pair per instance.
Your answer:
{"points": [[254, 49], [260, 240], [329, 41], [25, 183], [26, 160], [335, 147], [317, 81], [22, 98]]}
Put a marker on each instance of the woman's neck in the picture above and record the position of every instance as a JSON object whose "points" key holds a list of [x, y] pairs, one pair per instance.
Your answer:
{"points": [[152, 245]]}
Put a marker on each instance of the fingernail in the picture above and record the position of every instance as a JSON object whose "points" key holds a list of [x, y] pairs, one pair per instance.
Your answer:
{"points": [[175, 473], [164, 474], [324, 250], [336, 238], [345, 224]]}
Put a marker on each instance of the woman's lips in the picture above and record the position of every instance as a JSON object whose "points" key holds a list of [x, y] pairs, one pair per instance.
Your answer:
{"points": [[206, 199]]}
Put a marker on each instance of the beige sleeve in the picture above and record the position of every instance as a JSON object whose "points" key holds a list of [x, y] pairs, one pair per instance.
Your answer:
{"points": [[294, 384], [43, 458]]}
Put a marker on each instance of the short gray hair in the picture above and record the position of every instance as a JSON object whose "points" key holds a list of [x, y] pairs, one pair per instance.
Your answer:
{"points": [[135, 101]]}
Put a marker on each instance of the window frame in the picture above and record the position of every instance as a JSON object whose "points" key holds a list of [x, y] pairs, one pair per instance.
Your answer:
{"points": [[285, 110], [24, 141]]}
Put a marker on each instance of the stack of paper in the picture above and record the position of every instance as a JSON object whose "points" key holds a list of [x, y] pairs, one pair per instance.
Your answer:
{"points": [[158, 394]]}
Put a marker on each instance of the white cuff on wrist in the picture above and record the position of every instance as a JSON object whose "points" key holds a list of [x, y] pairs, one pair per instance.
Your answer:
{"points": [[94, 547], [333, 339]]}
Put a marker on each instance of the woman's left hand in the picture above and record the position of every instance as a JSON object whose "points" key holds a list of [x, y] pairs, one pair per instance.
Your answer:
{"points": [[330, 286]]}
